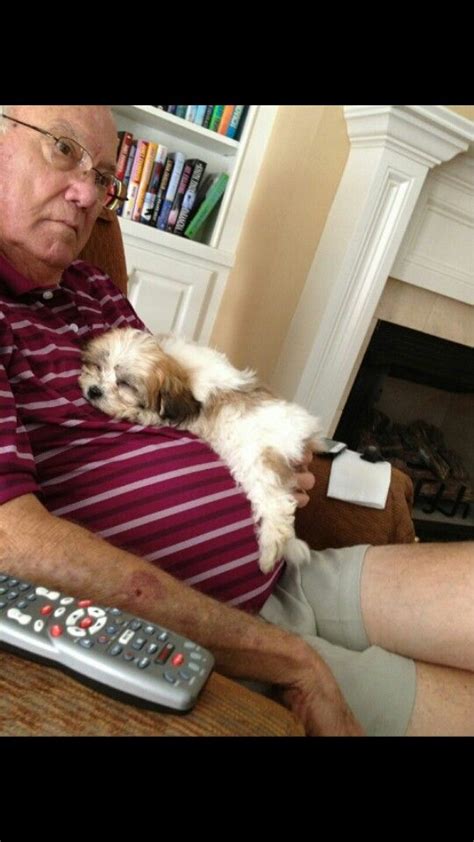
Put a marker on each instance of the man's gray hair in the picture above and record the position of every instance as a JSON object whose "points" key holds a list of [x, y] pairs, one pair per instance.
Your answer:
{"points": [[4, 124]]}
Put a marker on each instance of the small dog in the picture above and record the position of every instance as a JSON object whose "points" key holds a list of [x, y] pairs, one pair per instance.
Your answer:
{"points": [[136, 377]]}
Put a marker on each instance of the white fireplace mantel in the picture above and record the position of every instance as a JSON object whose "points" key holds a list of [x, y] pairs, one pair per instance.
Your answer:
{"points": [[393, 147]]}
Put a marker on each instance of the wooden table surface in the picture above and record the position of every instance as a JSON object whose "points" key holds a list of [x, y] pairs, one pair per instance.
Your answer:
{"points": [[41, 700]]}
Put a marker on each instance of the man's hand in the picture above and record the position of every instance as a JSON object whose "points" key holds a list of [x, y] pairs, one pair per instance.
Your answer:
{"points": [[304, 479]]}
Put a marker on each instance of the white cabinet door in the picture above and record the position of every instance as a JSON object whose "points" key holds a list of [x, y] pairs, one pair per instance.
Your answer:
{"points": [[168, 294]]}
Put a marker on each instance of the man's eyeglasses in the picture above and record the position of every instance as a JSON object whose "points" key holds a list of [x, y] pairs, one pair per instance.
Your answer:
{"points": [[64, 153]]}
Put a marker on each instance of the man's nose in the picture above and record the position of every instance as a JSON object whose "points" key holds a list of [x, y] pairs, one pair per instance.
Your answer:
{"points": [[82, 189]]}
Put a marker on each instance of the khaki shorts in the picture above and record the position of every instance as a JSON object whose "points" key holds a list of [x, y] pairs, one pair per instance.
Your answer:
{"points": [[321, 602]]}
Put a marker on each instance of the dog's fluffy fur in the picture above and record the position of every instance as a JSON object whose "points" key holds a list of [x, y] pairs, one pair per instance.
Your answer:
{"points": [[134, 376]]}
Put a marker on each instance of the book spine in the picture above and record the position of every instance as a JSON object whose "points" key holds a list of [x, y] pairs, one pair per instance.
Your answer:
{"points": [[152, 192], [216, 117], [190, 113], [209, 203], [182, 187], [128, 170], [144, 180], [171, 190], [181, 111], [126, 139], [172, 109], [235, 121], [190, 196], [135, 176], [207, 116], [226, 118], [160, 196], [199, 116]]}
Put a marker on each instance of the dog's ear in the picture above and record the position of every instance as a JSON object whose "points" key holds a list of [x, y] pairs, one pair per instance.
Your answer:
{"points": [[177, 407]]}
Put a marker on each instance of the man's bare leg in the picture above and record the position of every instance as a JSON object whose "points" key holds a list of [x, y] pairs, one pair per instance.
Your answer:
{"points": [[418, 601]]}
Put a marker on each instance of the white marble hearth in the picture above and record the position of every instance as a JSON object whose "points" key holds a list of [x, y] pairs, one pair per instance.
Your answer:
{"points": [[404, 207]]}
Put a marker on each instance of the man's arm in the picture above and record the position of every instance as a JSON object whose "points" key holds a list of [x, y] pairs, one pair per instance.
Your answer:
{"points": [[39, 547]]}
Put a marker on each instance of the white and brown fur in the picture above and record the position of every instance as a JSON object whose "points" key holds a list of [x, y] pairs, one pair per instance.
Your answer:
{"points": [[134, 376]]}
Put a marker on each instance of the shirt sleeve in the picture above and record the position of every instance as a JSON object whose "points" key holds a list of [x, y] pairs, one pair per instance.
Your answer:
{"points": [[17, 465]]}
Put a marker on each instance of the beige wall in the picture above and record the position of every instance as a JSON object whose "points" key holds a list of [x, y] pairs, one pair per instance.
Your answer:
{"points": [[300, 174], [303, 164]]}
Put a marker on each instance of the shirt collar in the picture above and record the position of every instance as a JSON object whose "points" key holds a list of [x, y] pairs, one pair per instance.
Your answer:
{"points": [[15, 282]]}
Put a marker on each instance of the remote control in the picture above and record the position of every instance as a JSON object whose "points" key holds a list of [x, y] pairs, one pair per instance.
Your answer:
{"points": [[108, 645], [332, 447]]}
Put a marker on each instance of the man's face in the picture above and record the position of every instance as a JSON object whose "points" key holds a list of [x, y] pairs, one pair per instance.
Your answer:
{"points": [[46, 215]]}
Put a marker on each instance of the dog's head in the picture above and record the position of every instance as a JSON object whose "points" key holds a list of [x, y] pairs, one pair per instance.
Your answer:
{"points": [[127, 375]]}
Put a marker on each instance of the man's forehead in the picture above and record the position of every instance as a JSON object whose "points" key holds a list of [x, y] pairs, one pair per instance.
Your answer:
{"points": [[93, 126]]}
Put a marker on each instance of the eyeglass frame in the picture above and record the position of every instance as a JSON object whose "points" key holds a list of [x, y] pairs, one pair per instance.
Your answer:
{"points": [[57, 138]]}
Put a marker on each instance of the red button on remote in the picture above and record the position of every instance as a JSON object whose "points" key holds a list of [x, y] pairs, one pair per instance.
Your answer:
{"points": [[177, 659], [46, 609], [56, 631], [84, 603], [85, 623]]}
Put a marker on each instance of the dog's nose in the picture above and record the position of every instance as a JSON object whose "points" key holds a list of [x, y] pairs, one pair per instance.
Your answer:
{"points": [[94, 392]]}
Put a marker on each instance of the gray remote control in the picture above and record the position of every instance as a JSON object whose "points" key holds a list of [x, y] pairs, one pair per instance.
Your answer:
{"points": [[108, 645]]}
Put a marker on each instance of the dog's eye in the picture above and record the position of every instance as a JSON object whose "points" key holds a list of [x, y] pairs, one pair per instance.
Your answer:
{"points": [[127, 385]]}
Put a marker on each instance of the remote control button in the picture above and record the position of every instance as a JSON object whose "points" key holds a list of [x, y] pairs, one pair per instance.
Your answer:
{"points": [[84, 603], [22, 603], [116, 612], [196, 656], [75, 616], [149, 629], [126, 636], [3, 605], [3, 578], [193, 667], [169, 677], [135, 625], [66, 600], [24, 586], [13, 582], [163, 635], [24, 619], [163, 656], [86, 642], [98, 625], [138, 643], [38, 626], [152, 648], [128, 656], [115, 649], [75, 631], [188, 644], [85, 623], [143, 663], [177, 659], [184, 674], [46, 610], [32, 597], [96, 612], [59, 612], [103, 638], [111, 629], [56, 631], [12, 595], [3, 590]]}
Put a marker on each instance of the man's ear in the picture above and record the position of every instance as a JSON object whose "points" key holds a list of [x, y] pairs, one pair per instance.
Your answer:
{"points": [[177, 407]]}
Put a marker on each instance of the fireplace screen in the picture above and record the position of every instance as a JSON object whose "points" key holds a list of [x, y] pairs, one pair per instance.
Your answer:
{"points": [[413, 403]]}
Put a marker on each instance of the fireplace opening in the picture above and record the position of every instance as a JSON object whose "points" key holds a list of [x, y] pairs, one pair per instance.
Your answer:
{"points": [[412, 403]]}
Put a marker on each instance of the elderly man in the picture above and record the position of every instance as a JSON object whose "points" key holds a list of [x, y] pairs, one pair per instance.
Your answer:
{"points": [[135, 517]]}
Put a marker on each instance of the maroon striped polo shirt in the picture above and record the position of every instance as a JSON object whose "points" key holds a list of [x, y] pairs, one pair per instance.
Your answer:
{"points": [[158, 492]]}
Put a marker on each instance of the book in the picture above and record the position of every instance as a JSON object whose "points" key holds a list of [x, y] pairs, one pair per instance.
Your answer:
{"points": [[207, 116], [190, 113], [128, 170], [181, 111], [199, 115], [215, 117], [235, 121], [212, 197], [178, 164], [144, 180], [135, 175], [124, 144], [189, 197], [182, 187], [160, 196], [154, 183], [225, 119]]}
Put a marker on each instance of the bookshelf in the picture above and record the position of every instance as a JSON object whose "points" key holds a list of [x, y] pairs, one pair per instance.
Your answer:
{"points": [[175, 283]]}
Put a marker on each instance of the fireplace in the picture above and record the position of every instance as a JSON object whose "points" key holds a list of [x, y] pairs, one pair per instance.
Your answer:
{"points": [[412, 403]]}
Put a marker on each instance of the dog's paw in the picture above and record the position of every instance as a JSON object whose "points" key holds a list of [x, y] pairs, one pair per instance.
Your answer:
{"points": [[296, 551]]}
